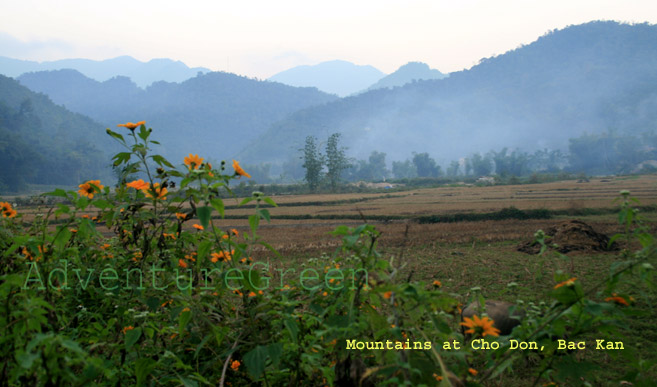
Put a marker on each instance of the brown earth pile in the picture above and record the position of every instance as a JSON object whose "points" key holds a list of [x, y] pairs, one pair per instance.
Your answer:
{"points": [[573, 235]]}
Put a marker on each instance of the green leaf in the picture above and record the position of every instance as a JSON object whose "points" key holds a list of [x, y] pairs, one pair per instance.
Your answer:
{"points": [[121, 157], [269, 200], [131, 337], [254, 221], [185, 317], [115, 135], [143, 133], [255, 360], [245, 201], [264, 213], [62, 237], [58, 192], [203, 250], [218, 205], [161, 160], [25, 359], [143, 367], [293, 328], [275, 350], [204, 214]]}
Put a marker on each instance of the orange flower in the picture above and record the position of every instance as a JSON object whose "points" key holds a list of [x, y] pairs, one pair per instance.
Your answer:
{"points": [[128, 328], [182, 263], [185, 310], [235, 365], [193, 161], [172, 236], [198, 227], [617, 299], [72, 230], [483, 326], [239, 170], [234, 231], [139, 185], [437, 377], [387, 295], [181, 216], [7, 211], [569, 282], [160, 192], [89, 188], [472, 371], [437, 284], [132, 126]]}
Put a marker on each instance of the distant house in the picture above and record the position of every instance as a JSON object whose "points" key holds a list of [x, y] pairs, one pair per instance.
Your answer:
{"points": [[486, 180]]}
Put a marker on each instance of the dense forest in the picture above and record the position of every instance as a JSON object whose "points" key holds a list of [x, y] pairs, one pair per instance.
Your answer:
{"points": [[585, 79], [215, 114], [42, 143]]}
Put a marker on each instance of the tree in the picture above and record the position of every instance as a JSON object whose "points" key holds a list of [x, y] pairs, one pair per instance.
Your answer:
{"points": [[425, 165], [480, 165], [404, 169], [312, 162], [453, 169], [336, 160]]}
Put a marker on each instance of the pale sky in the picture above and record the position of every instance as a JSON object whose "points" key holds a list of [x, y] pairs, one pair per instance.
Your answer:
{"points": [[260, 38]]}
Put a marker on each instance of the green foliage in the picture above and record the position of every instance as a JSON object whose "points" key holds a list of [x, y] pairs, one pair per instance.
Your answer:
{"points": [[76, 311], [313, 162], [336, 161]]}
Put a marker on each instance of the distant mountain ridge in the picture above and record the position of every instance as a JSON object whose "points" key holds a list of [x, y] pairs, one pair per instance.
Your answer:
{"points": [[142, 73], [412, 71], [42, 143], [587, 78], [213, 114], [335, 77]]}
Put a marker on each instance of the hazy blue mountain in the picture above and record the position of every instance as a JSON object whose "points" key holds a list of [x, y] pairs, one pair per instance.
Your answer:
{"points": [[336, 77], [587, 78], [214, 114], [43, 143], [142, 73], [411, 71]]}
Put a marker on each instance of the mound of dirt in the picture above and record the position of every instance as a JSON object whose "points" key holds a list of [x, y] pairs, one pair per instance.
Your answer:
{"points": [[573, 235]]}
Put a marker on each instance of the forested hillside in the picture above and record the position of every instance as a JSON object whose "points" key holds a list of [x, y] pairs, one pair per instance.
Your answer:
{"points": [[215, 114], [590, 78], [42, 143]]}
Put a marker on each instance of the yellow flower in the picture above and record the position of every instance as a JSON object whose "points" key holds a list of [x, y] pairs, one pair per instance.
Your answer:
{"points": [[193, 161], [617, 299], [7, 211], [569, 282], [239, 170], [483, 326], [186, 310], [89, 188], [132, 126], [139, 185], [235, 365], [160, 192]]}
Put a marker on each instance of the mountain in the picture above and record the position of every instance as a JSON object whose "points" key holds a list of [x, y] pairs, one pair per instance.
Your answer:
{"points": [[587, 78], [336, 77], [142, 73], [42, 143], [412, 71], [214, 114]]}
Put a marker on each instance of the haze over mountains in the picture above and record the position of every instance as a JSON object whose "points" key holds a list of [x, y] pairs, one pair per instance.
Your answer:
{"points": [[142, 73], [335, 77], [589, 78], [412, 71], [214, 114]]}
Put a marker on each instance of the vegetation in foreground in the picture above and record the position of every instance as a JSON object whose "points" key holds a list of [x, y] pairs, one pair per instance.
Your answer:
{"points": [[241, 323]]}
